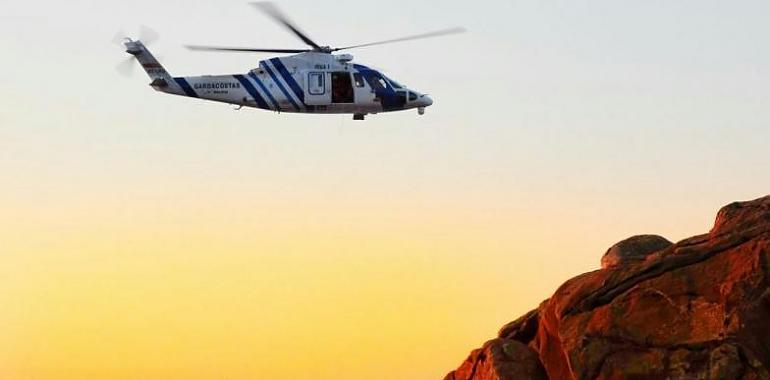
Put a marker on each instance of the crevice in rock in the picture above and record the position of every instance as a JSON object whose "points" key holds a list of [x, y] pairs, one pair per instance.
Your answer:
{"points": [[523, 329], [751, 361], [479, 360], [604, 296], [699, 346], [625, 345]]}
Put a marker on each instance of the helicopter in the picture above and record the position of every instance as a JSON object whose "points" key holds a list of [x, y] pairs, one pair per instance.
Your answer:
{"points": [[311, 80]]}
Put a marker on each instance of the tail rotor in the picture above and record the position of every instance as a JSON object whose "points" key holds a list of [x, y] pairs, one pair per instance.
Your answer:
{"points": [[127, 67], [147, 36]]}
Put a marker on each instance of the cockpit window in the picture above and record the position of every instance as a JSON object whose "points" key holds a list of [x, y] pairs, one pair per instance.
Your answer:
{"points": [[375, 81], [401, 96], [394, 83], [412, 96], [359, 79]]}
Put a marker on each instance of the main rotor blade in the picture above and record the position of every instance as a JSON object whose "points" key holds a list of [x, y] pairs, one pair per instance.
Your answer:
{"points": [[408, 38], [271, 10], [244, 50]]}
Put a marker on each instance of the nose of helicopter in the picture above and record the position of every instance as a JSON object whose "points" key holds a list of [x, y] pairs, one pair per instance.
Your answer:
{"points": [[424, 101]]}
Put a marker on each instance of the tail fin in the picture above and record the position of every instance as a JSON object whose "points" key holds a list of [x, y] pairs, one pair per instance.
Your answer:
{"points": [[160, 77]]}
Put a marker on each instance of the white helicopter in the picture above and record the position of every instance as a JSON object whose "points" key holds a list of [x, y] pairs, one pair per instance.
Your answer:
{"points": [[310, 81]]}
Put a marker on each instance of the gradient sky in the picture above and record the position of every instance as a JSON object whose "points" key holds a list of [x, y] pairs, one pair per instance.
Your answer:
{"points": [[145, 236]]}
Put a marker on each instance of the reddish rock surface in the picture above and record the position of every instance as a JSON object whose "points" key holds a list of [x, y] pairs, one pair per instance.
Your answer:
{"points": [[698, 309], [635, 248]]}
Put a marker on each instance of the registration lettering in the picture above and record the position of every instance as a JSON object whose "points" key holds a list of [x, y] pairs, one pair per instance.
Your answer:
{"points": [[216, 85]]}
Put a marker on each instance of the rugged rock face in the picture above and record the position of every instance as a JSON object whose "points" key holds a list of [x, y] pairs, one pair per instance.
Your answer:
{"points": [[698, 309], [498, 360]]}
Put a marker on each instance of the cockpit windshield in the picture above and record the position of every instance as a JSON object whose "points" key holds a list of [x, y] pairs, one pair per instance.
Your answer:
{"points": [[378, 81], [394, 83], [375, 80]]}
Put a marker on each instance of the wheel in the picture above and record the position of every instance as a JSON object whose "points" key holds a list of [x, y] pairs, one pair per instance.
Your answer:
{"points": [[358, 116]]}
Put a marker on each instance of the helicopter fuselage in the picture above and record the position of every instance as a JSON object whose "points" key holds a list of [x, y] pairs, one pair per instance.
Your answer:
{"points": [[311, 82]]}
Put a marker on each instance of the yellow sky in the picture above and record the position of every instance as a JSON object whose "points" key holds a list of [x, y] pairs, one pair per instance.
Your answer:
{"points": [[218, 285], [190, 295]]}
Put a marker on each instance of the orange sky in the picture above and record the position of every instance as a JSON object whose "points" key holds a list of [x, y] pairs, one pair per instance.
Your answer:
{"points": [[224, 286]]}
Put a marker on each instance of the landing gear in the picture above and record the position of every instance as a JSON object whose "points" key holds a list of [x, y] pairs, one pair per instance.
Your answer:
{"points": [[359, 116], [421, 111]]}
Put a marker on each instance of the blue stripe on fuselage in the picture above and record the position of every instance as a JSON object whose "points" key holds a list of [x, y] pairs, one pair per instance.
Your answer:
{"points": [[252, 91], [289, 79], [188, 90], [283, 89], [264, 89]]}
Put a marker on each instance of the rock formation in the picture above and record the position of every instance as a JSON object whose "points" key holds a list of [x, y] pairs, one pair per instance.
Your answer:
{"points": [[635, 248], [697, 309]]}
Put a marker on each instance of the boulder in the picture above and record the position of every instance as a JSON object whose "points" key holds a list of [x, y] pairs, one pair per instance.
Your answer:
{"points": [[500, 359], [634, 250]]}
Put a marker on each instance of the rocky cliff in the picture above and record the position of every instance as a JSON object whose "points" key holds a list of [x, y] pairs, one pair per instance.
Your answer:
{"points": [[697, 309]]}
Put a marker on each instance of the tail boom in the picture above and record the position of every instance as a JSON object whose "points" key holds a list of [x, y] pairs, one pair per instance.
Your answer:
{"points": [[239, 89]]}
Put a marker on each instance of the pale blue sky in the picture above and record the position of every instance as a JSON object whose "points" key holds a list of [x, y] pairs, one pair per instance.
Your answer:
{"points": [[621, 106]]}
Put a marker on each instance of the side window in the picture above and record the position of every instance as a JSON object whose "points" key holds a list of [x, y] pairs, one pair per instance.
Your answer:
{"points": [[315, 83], [401, 96], [359, 79]]}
